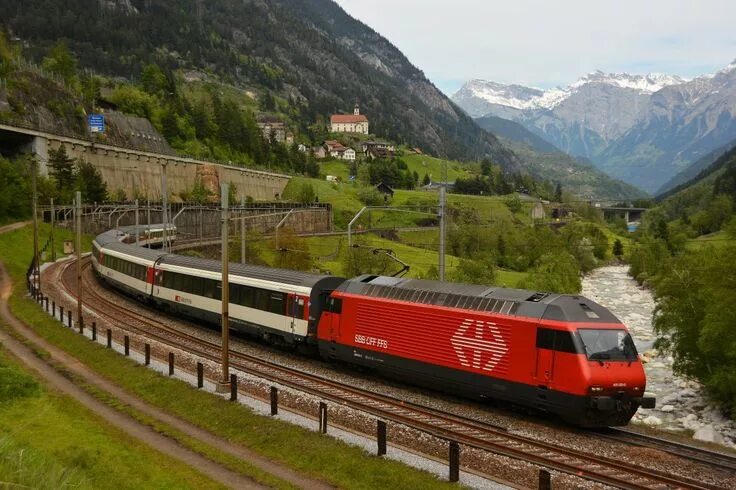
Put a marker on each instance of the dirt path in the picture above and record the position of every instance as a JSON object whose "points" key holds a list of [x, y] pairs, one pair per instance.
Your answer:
{"points": [[14, 226], [125, 422]]}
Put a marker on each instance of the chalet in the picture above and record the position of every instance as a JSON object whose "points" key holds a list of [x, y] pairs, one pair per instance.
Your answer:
{"points": [[368, 145], [334, 148], [385, 189], [319, 152], [347, 123], [348, 154], [378, 152]]}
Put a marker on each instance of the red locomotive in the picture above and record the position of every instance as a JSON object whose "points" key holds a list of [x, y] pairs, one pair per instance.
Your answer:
{"points": [[557, 353]]}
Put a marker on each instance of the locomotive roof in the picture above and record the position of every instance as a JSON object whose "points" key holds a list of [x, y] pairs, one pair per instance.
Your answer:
{"points": [[284, 276], [518, 302]]}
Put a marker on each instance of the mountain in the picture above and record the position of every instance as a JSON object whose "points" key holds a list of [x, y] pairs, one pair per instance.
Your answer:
{"points": [[643, 129], [693, 171], [512, 131], [309, 54], [707, 178], [545, 161]]}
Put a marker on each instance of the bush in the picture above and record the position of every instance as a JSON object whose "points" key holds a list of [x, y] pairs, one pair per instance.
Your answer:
{"points": [[370, 196]]}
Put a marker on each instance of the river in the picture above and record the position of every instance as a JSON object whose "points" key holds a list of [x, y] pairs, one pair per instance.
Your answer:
{"points": [[681, 403]]}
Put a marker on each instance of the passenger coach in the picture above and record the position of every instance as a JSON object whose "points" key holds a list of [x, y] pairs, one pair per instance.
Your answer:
{"points": [[274, 304]]}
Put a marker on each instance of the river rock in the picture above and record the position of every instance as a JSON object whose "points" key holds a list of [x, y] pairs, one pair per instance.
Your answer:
{"points": [[667, 408], [652, 420], [708, 434]]}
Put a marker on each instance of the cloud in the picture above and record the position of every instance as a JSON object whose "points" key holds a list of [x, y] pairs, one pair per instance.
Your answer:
{"points": [[544, 43]]}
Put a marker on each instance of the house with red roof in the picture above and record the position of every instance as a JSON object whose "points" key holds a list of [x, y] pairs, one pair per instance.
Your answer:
{"points": [[349, 123]]}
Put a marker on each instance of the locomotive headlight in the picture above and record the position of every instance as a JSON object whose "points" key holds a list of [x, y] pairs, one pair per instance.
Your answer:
{"points": [[596, 389]]}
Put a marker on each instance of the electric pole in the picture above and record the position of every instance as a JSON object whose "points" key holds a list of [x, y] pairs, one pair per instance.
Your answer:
{"points": [[78, 247], [242, 229], [164, 205], [224, 318], [53, 220], [442, 222], [36, 264], [137, 231]]}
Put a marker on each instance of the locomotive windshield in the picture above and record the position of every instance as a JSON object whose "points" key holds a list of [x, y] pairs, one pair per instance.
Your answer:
{"points": [[608, 345]]}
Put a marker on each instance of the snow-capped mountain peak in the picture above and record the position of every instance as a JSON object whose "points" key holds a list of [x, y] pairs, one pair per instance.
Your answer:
{"points": [[523, 98], [650, 83]]}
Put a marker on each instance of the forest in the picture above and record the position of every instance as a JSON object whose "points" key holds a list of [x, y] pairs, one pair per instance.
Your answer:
{"points": [[686, 252]]}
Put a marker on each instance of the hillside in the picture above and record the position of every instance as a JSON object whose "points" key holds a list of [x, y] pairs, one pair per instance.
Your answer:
{"points": [[693, 171], [309, 53], [546, 161], [513, 131], [578, 178]]}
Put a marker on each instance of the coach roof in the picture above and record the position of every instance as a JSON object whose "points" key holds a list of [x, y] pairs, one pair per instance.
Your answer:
{"points": [[283, 276]]}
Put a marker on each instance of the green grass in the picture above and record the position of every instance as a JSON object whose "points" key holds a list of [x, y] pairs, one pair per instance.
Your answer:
{"points": [[717, 239], [311, 453], [51, 441], [425, 164]]}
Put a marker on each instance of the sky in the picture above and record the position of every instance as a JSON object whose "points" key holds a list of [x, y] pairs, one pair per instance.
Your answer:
{"points": [[548, 43]]}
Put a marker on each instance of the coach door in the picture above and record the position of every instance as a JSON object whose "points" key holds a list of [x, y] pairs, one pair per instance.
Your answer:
{"points": [[294, 310], [545, 357]]}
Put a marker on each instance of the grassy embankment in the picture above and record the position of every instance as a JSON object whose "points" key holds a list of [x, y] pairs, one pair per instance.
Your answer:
{"points": [[309, 452], [50, 441]]}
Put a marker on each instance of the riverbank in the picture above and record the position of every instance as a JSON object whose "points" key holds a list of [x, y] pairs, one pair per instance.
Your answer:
{"points": [[682, 405]]}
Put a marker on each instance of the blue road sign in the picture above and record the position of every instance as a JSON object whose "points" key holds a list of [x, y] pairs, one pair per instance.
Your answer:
{"points": [[96, 123]]}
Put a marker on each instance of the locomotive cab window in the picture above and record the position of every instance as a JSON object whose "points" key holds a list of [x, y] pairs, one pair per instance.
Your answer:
{"points": [[335, 305], [608, 344]]}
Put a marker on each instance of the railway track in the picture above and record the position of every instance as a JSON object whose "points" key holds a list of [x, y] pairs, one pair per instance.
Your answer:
{"points": [[442, 425], [701, 455]]}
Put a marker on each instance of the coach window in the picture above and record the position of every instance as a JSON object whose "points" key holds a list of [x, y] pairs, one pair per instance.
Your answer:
{"points": [[186, 284], [260, 299], [248, 296], [208, 288], [276, 303]]}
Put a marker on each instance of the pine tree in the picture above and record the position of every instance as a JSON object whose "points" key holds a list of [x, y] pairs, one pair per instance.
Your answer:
{"points": [[618, 248], [61, 167], [426, 180], [558, 193], [90, 183]]}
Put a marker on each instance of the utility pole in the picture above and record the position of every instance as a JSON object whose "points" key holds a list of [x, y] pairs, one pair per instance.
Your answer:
{"points": [[36, 264], [442, 222], [78, 247], [53, 220], [164, 205], [242, 230], [224, 384], [137, 231]]}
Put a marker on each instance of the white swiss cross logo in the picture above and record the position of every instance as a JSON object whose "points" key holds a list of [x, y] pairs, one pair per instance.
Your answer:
{"points": [[479, 344]]}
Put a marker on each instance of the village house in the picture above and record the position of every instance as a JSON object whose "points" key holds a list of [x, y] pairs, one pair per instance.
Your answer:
{"points": [[338, 150], [347, 123], [319, 152], [370, 145], [272, 126]]}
